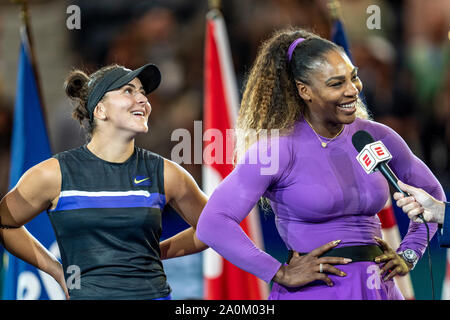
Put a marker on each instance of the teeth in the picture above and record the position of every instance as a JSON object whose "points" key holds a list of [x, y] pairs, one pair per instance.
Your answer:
{"points": [[138, 113], [350, 105]]}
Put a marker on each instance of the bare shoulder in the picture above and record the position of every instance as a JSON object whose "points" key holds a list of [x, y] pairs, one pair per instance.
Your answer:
{"points": [[41, 184], [182, 192], [46, 174], [174, 174], [177, 180], [35, 191], [173, 169]]}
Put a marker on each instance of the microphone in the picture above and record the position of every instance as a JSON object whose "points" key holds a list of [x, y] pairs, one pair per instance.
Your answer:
{"points": [[374, 156]]}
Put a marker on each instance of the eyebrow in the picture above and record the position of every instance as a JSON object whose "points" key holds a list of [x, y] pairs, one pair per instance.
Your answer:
{"points": [[134, 87], [354, 71]]}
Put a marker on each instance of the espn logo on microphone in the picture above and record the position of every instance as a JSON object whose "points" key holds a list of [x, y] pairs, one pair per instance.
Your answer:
{"points": [[372, 154]]}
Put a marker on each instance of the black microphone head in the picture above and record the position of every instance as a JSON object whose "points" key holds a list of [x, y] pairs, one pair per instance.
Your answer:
{"points": [[360, 139]]}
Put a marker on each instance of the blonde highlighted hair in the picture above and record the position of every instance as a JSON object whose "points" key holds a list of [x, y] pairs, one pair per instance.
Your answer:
{"points": [[270, 99]]}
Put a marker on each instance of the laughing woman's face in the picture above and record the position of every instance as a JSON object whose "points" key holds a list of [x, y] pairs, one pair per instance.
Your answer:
{"points": [[126, 108], [333, 90]]}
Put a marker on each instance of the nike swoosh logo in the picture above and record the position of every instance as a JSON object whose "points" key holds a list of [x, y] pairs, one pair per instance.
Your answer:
{"points": [[139, 181]]}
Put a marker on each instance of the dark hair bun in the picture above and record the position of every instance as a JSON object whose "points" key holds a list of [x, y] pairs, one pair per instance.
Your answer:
{"points": [[75, 84]]}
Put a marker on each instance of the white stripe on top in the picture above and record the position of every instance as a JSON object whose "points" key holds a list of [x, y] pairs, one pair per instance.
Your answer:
{"points": [[72, 193]]}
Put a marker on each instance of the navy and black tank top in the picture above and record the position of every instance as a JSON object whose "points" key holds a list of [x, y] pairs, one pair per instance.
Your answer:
{"points": [[107, 224]]}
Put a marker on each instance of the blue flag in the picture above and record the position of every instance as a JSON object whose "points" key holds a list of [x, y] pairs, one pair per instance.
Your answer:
{"points": [[338, 36], [30, 145]]}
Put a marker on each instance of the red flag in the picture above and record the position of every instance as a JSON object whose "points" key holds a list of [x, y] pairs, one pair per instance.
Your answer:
{"points": [[391, 235], [223, 280]]}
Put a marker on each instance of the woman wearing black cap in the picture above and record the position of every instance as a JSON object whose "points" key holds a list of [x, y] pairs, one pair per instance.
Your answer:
{"points": [[105, 199]]}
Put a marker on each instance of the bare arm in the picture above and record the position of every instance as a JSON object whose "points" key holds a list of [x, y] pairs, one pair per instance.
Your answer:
{"points": [[184, 195], [34, 193]]}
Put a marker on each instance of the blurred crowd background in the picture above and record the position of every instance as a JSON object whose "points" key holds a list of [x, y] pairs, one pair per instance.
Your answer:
{"points": [[404, 65]]}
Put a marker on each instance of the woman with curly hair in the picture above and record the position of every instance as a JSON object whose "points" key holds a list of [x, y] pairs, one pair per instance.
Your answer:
{"points": [[105, 199], [306, 88]]}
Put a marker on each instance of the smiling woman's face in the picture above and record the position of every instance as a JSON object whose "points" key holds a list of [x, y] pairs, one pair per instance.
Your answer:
{"points": [[126, 108], [333, 89]]}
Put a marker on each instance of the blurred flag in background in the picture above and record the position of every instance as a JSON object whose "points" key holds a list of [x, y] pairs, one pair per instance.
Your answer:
{"points": [[223, 280], [29, 146]]}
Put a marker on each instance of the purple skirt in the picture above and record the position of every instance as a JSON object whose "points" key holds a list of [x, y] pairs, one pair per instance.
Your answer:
{"points": [[362, 282]]}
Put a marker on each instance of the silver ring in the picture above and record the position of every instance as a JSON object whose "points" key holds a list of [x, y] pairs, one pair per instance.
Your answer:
{"points": [[321, 268]]}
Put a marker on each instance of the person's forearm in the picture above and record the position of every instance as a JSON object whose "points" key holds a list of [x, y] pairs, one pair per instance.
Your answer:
{"points": [[231, 242], [181, 244], [20, 243]]}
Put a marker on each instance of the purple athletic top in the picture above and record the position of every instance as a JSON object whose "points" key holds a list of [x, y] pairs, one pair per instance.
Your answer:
{"points": [[317, 194]]}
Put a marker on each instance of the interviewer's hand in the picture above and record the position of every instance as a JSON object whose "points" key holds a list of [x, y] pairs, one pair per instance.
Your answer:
{"points": [[420, 202], [304, 269]]}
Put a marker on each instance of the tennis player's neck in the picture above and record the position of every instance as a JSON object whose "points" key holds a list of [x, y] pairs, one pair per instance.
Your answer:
{"points": [[111, 150]]}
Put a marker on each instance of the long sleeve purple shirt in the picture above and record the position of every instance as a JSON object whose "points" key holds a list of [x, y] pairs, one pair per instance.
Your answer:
{"points": [[317, 194]]}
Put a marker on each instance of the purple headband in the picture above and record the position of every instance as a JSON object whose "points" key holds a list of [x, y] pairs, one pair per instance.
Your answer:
{"points": [[292, 48]]}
